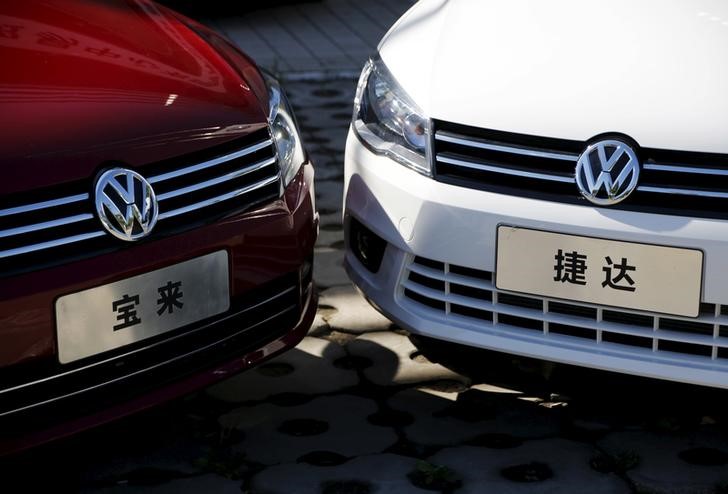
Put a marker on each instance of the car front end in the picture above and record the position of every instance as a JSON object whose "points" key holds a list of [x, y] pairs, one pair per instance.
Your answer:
{"points": [[157, 216], [519, 180]]}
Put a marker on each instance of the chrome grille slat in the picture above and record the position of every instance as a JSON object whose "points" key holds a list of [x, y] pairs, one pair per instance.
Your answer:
{"points": [[596, 324], [210, 163], [683, 192], [685, 169], [43, 205], [449, 137], [216, 181], [218, 199], [503, 170], [45, 225], [29, 229], [50, 244]]}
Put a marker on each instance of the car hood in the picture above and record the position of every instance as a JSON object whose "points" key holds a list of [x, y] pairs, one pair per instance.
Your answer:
{"points": [[656, 70], [88, 82]]}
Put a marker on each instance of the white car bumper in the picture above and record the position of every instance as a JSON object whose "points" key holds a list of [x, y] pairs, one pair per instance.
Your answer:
{"points": [[446, 235]]}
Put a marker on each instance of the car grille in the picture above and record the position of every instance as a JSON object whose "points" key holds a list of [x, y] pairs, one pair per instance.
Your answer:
{"points": [[671, 182], [260, 316], [467, 297], [191, 190]]}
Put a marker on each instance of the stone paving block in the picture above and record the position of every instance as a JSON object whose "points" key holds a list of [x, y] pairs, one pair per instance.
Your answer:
{"points": [[480, 469], [329, 35], [391, 355], [332, 139], [191, 485], [353, 313], [330, 238], [677, 463], [315, 39], [328, 168], [309, 369], [319, 325], [279, 37], [328, 268], [329, 196], [276, 434], [175, 459], [321, 16], [332, 222], [359, 22], [321, 95], [386, 473], [442, 418], [328, 123]]}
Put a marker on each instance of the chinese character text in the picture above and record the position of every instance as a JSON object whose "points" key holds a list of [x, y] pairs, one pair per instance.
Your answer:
{"points": [[126, 311], [570, 267]]}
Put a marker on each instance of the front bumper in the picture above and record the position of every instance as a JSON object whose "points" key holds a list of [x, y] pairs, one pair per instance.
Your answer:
{"points": [[272, 303], [446, 235]]}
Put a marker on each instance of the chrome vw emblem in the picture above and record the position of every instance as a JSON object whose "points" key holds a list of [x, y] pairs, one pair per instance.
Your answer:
{"points": [[126, 204], [607, 172]]}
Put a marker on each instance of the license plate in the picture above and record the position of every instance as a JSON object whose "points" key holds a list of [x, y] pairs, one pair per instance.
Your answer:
{"points": [[606, 272], [111, 316]]}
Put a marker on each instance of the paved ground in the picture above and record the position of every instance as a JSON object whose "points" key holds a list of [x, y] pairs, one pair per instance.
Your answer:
{"points": [[328, 37], [356, 409]]}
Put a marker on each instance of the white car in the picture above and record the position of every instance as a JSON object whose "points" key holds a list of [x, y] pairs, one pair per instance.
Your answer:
{"points": [[549, 179]]}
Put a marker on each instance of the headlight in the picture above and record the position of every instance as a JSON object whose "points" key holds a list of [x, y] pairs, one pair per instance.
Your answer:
{"points": [[388, 121], [284, 131]]}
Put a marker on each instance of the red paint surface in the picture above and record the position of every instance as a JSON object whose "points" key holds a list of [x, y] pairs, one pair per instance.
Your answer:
{"points": [[87, 81]]}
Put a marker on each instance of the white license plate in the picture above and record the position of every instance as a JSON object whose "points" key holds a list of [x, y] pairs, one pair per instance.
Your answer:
{"points": [[607, 272], [111, 316]]}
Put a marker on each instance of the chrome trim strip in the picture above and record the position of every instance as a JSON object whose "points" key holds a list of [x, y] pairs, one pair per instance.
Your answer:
{"points": [[43, 205], [453, 138], [224, 197], [504, 171], [210, 163], [684, 169], [214, 181], [45, 225], [26, 249], [153, 345], [147, 369], [683, 192]]}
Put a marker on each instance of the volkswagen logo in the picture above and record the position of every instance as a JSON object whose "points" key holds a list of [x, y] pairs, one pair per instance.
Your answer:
{"points": [[126, 204], [607, 172]]}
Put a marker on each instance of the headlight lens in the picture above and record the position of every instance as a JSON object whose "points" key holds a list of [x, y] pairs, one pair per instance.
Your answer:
{"points": [[388, 121], [284, 130]]}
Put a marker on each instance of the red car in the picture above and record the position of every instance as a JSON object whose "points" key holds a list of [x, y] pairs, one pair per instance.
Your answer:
{"points": [[157, 216]]}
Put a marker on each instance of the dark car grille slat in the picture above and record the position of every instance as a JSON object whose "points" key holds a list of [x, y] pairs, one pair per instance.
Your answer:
{"points": [[196, 188], [544, 168]]}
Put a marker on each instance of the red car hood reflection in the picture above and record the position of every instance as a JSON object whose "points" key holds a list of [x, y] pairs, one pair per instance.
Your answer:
{"points": [[89, 82]]}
